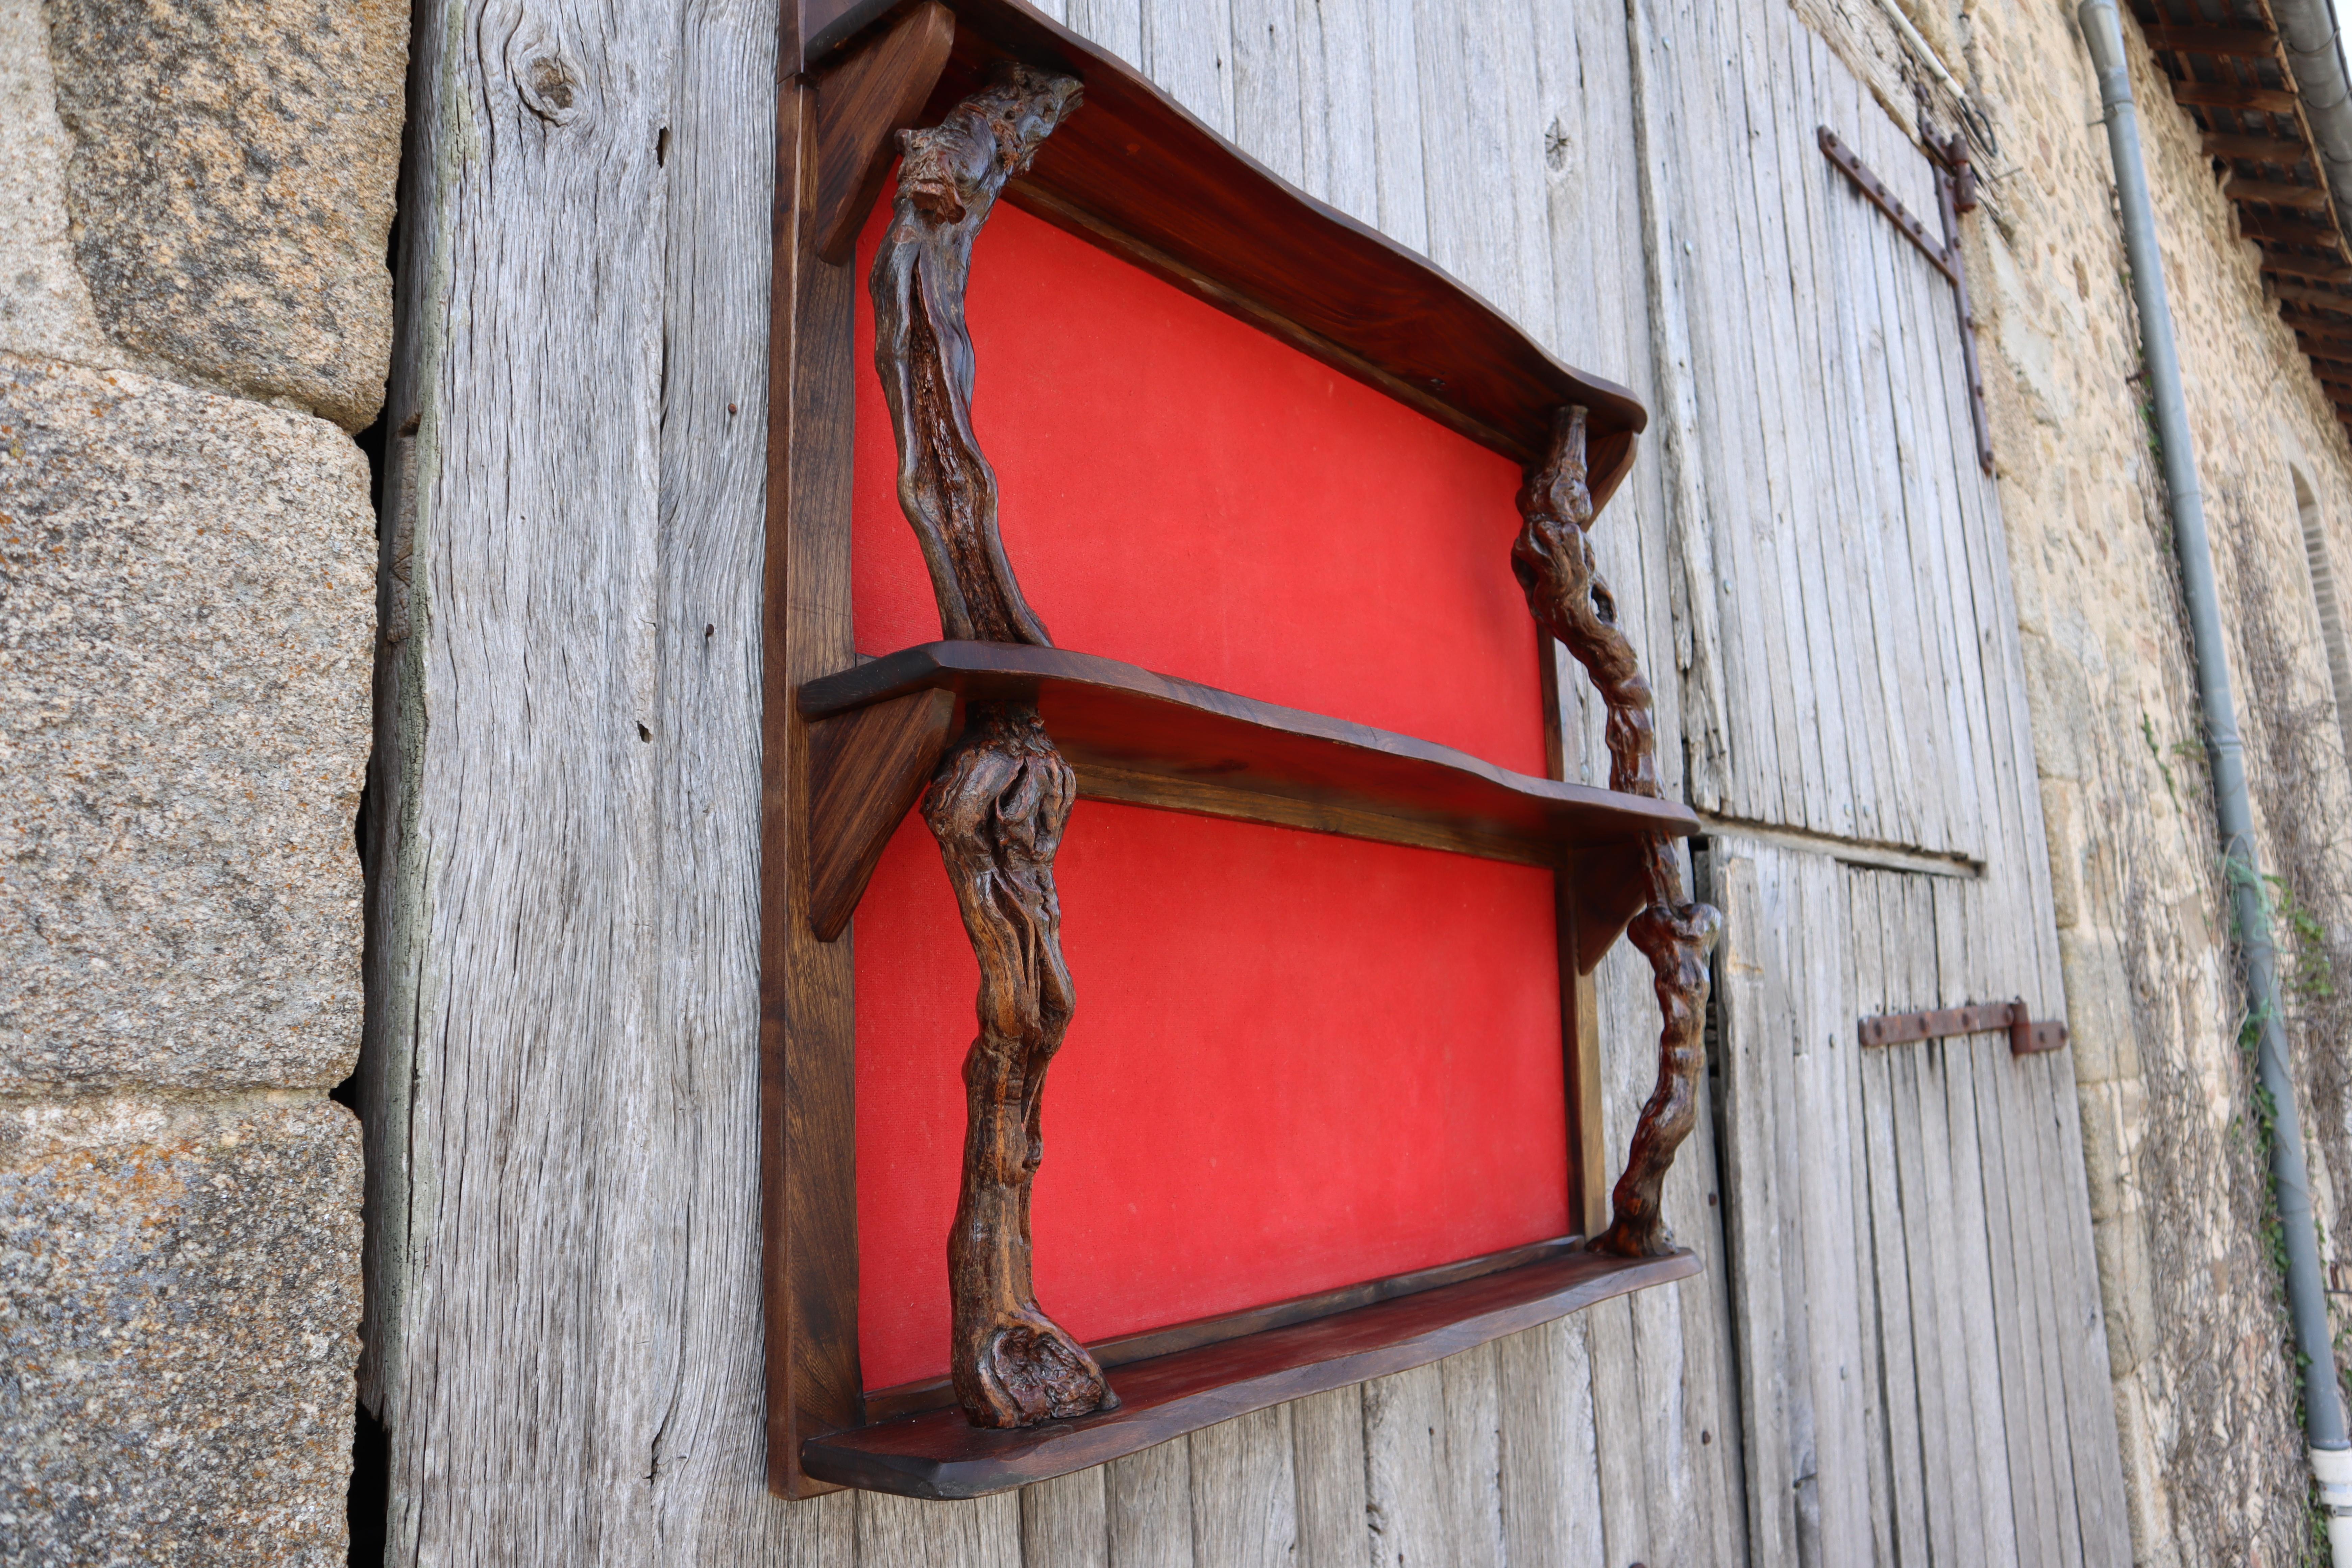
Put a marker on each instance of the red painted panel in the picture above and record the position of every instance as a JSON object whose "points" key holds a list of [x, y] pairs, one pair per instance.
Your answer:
{"points": [[1187, 494], [1297, 1061]]}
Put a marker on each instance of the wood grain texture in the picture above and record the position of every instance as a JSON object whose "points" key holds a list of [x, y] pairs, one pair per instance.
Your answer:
{"points": [[1552, 559], [864, 99], [1146, 179], [867, 768], [1156, 740], [934, 1394], [938, 1454], [807, 1039], [1002, 796]]}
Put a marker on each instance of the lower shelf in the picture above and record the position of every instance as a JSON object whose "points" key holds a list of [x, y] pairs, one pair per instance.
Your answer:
{"points": [[938, 1454]]}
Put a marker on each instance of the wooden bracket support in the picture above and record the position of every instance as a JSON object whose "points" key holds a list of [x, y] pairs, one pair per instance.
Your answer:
{"points": [[2026, 1036], [862, 104], [867, 768]]}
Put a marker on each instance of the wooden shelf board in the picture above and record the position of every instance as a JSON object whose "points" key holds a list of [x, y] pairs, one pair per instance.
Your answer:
{"points": [[938, 1454], [1152, 739], [1134, 173]]}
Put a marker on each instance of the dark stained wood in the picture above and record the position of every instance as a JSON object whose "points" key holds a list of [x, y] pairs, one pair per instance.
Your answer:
{"points": [[808, 1126], [2285, 229], [867, 768], [1139, 176], [864, 99], [1579, 1018], [940, 1456], [2277, 194], [937, 1394], [2276, 101], [824, 26], [2305, 294], [1003, 795], [2322, 270], [2235, 43], [1114, 717], [1552, 559], [2262, 149]]}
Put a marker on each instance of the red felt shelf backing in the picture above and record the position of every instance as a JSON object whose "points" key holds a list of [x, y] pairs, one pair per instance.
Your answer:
{"points": [[1297, 1061]]}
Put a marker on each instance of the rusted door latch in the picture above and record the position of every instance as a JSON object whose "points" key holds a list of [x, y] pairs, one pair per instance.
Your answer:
{"points": [[1956, 192], [2025, 1036]]}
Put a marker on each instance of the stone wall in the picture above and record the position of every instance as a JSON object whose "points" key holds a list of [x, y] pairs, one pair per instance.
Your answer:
{"points": [[2205, 1392], [194, 319]]}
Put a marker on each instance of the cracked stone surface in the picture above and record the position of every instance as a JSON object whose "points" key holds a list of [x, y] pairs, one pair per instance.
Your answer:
{"points": [[186, 614]]}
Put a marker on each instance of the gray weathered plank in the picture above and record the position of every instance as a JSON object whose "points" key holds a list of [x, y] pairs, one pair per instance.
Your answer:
{"points": [[1150, 1506], [1551, 1476], [1326, 1433], [1065, 1523], [1244, 1497]]}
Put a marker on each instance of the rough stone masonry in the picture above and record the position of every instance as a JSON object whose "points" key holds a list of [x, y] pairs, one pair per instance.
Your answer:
{"points": [[195, 317]]}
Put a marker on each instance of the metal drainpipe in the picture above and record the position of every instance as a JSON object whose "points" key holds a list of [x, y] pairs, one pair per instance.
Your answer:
{"points": [[2331, 1455]]}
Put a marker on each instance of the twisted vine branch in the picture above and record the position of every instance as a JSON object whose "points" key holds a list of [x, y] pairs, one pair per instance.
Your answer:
{"points": [[1552, 559], [1002, 793]]}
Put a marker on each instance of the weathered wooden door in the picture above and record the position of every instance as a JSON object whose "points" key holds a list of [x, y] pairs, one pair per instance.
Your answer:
{"points": [[563, 1340], [1921, 1365]]}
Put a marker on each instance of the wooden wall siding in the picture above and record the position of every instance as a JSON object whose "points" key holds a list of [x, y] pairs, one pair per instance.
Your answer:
{"points": [[1923, 1371], [560, 1084], [1848, 665]]}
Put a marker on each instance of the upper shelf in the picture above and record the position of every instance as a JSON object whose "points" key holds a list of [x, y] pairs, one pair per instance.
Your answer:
{"points": [[1153, 739], [1135, 174]]}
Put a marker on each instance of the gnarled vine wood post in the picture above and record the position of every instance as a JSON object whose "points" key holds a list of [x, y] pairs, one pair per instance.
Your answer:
{"points": [[1552, 559], [1002, 795]]}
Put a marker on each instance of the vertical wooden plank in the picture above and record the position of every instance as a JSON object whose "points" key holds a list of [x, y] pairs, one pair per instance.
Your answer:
{"points": [[1470, 1490], [1691, 576], [1150, 1508], [1397, 172], [1326, 1433], [1338, 157], [819, 1532], [1116, 25], [1836, 626], [1551, 1471], [1403, 1461], [1971, 1253], [1751, 966], [806, 987], [1188, 53], [1775, 270], [1618, 1451], [526, 1036], [1065, 1523], [907, 1534], [1267, 117], [1897, 1531], [1244, 1497]]}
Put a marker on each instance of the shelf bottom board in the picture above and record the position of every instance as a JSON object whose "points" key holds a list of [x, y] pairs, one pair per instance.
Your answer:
{"points": [[940, 1454]]}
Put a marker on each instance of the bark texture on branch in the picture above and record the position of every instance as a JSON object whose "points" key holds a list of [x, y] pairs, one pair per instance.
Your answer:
{"points": [[1002, 793], [1552, 559]]}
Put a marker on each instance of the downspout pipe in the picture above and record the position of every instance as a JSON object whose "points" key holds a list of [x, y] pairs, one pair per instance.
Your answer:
{"points": [[2323, 1429]]}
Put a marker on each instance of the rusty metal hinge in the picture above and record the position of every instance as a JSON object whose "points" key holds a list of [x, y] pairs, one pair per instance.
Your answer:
{"points": [[2025, 1036], [1956, 192]]}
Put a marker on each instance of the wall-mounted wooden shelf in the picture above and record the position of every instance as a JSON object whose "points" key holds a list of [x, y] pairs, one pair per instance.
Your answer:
{"points": [[939, 1454], [997, 99], [1152, 739]]}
